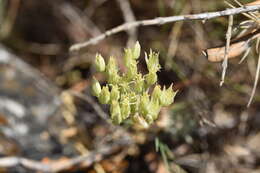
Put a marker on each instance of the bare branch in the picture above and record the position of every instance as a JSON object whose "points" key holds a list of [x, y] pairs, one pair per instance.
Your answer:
{"points": [[161, 21]]}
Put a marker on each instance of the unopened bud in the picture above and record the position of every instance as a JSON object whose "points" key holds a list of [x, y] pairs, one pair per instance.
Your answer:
{"points": [[144, 104], [115, 112], [167, 96], [132, 70], [136, 100], [154, 108], [95, 88], [156, 92], [151, 78], [136, 50], [128, 58], [139, 85], [111, 71], [115, 94], [104, 96], [152, 62], [125, 108], [100, 63]]}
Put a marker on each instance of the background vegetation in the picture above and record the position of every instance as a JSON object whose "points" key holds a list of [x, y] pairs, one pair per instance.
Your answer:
{"points": [[207, 129]]}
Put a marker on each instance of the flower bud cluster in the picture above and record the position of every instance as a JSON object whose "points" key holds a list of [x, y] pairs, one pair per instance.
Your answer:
{"points": [[129, 94]]}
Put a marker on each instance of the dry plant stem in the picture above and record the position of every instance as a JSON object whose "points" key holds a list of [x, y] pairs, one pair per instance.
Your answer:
{"points": [[228, 37], [249, 15], [255, 83], [8, 22], [52, 167], [245, 55], [161, 21], [237, 47], [76, 17], [92, 7], [175, 35], [128, 17], [100, 112], [257, 45], [96, 106]]}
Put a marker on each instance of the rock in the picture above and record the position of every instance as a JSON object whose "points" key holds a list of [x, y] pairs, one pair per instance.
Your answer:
{"points": [[27, 101]]}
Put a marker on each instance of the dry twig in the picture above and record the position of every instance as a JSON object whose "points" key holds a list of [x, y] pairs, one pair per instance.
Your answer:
{"points": [[129, 17], [237, 47], [52, 167], [161, 21], [256, 81], [228, 38]]}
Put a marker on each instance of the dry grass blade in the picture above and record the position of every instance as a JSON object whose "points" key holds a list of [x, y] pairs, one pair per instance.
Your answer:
{"points": [[253, 16], [255, 83], [245, 55], [257, 45], [174, 41], [228, 38]]}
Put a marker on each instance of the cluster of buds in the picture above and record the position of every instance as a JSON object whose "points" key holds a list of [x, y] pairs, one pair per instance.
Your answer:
{"points": [[129, 94]]}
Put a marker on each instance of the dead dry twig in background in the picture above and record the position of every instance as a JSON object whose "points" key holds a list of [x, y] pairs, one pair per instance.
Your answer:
{"points": [[255, 83], [228, 38], [128, 17], [161, 21], [237, 47], [240, 44], [56, 166]]}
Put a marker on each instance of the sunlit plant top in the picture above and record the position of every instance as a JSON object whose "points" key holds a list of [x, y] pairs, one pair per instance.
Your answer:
{"points": [[132, 95]]}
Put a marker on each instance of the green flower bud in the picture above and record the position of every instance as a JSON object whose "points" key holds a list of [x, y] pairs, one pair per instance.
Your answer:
{"points": [[136, 100], [136, 50], [139, 85], [100, 63], [112, 71], [167, 96], [104, 96], [153, 62], [154, 108], [128, 94], [114, 79], [144, 104], [125, 108], [128, 58], [115, 94], [151, 78], [156, 92], [95, 88], [115, 112], [124, 86], [132, 70]]}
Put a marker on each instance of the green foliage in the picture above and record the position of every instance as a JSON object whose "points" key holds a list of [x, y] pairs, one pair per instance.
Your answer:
{"points": [[129, 93], [164, 151]]}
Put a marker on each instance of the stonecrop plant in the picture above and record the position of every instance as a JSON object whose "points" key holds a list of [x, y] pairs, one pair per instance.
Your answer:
{"points": [[132, 95]]}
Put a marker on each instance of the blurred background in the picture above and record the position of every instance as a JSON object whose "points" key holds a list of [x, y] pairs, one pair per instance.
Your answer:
{"points": [[48, 114]]}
